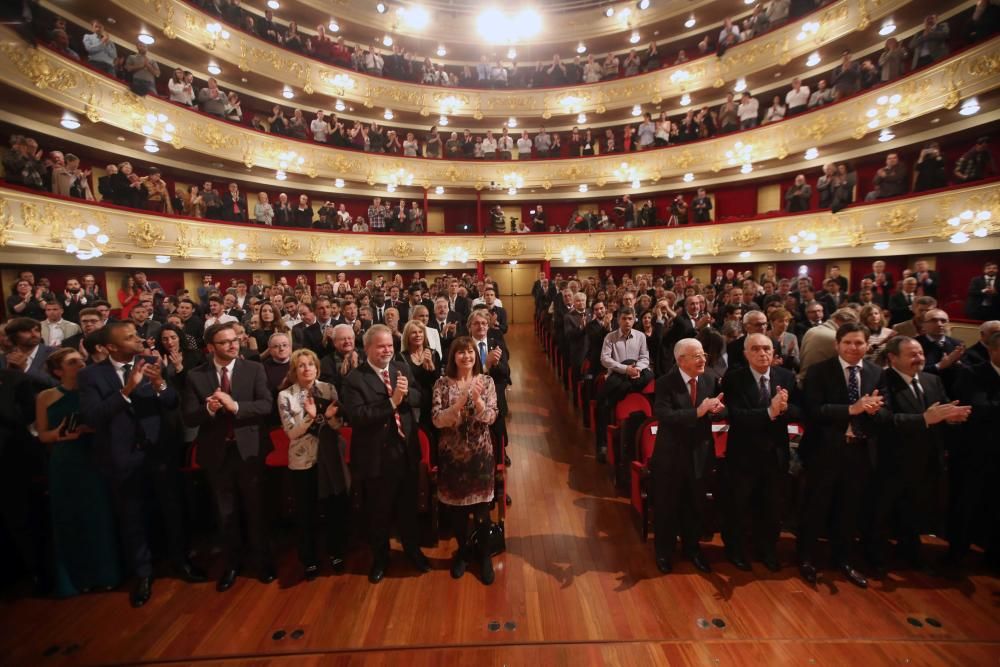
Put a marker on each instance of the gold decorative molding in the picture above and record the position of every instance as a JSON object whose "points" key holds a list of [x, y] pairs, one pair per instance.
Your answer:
{"points": [[285, 67], [37, 224], [974, 71]]}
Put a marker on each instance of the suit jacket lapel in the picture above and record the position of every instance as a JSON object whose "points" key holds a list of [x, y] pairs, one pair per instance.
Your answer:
{"points": [[374, 381]]}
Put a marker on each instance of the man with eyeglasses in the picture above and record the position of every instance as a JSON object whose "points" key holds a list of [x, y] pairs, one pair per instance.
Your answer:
{"points": [[942, 353], [228, 400], [687, 402]]}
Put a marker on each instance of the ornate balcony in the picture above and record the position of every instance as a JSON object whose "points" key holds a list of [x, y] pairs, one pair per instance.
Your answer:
{"points": [[39, 228]]}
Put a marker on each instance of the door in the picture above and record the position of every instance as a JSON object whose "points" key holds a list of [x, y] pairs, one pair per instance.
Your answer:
{"points": [[514, 283]]}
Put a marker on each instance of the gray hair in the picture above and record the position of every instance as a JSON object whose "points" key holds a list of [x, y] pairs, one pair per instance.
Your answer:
{"points": [[750, 313], [749, 340], [843, 316], [375, 330], [683, 345]]}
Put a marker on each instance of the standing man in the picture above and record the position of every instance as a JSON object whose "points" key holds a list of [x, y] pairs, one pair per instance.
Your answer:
{"points": [[29, 353], [908, 473], [379, 400], [129, 405], [882, 283], [55, 329], [228, 400], [702, 207], [943, 354], [626, 358], [687, 402], [901, 303], [982, 302], [761, 399], [845, 406]]}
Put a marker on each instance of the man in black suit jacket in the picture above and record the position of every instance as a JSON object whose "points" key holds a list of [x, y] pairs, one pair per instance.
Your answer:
{"points": [[129, 405], [489, 298], [908, 467], [234, 205], [308, 333], [973, 464], [228, 400], [379, 400], [575, 333], [982, 302], [882, 283], [683, 453], [597, 328], [901, 303], [754, 322], [927, 280], [761, 401], [980, 353], [844, 413], [685, 325], [495, 361], [192, 325], [942, 353], [447, 324]]}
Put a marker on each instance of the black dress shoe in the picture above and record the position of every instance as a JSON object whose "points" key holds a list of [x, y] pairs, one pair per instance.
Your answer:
{"points": [[190, 573], [663, 565], [808, 571], [338, 564], [227, 580], [771, 562], [506, 461], [853, 575], [377, 573], [140, 594], [267, 574], [486, 567], [458, 565], [311, 572], [738, 561], [418, 560], [700, 563]]}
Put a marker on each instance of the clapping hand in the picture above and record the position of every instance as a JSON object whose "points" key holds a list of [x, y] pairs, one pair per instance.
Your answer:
{"points": [[224, 400], [310, 406], [402, 388], [493, 358], [779, 402], [869, 404], [953, 413], [952, 357], [711, 405], [428, 359]]}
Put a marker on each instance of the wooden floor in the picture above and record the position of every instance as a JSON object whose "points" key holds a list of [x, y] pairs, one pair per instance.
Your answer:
{"points": [[576, 587]]}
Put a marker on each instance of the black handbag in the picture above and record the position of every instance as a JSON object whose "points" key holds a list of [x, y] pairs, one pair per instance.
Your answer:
{"points": [[491, 536]]}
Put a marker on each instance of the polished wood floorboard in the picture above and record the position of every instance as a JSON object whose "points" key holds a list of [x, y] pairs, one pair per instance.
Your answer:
{"points": [[576, 583]]}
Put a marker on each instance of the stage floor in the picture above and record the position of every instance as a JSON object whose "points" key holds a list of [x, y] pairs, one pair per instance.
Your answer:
{"points": [[576, 587]]}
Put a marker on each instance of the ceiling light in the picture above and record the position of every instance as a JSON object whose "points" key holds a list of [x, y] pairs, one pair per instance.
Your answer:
{"points": [[340, 106], [512, 191], [637, 110], [686, 256], [224, 34], [609, 12], [380, 7], [511, 53], [582, 118], [745, 254], [339, 183], [69, 121], [741, 85], [280, 175], [214, 69], [887, 28], [388, 114], [886, 135], [690, 23], [287, 92], [873, 123], [583, 187], [333, 26], [146, 38], [272, 4], [390, 188], [643, 4], [163, 259], [749, 2], [439, 190], [812, 154], [813, 59], [685, 100], [581, 48], [442, 52], [981, 232], [881, 245], [414, 17], [387, 40], [390, 263], [688, 177], [511, 122], [959, 237], [634, 38], [969, 107], [498, 27], [811, 250], [443, 121], [636, 183], [746, 169], [151, 146]]}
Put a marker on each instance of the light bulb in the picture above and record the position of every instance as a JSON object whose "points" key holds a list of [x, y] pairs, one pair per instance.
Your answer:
{"points": [[102, 238], [511, 53], [741, 85], [79, 233], [688, 177], [163, 259], [637, 110], [340, 106], [583, 187], [339, 183], [439, 190], [388, 114], [812, 154], [881, 245], [442, 52], [333, 26], [387, 40], [813, 59], [214, 69], [69, 121], [280, 175], [146, 38], [581, 48], [887, 28], [582, 118], [634, 38], [690, 23], [93, 229], [287, 93], [685, 100]]}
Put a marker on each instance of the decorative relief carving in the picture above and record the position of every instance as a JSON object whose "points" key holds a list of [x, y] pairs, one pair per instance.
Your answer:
{"points": [[285, 245], [145, 234], [401, 249], [628, 244], [513, 248], [746, 236], [40, 70], [898, 220], [6, 222]]}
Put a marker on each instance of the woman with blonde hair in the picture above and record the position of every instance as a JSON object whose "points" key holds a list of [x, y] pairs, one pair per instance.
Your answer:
{"points": [[786, 345], [309, 416], [872, 318], [425, 364]]}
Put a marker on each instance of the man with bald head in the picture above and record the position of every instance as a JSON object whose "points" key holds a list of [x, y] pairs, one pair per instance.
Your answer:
{"points": [[979, 353], [754, 322], [942, 353], [761, 399], [687, 402]]}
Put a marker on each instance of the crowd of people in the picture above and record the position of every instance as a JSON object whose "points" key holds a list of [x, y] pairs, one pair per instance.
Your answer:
{"points": [[102, 407], [885, 396]]}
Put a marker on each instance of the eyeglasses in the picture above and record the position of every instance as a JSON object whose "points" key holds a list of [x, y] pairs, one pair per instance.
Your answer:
{"points": [[696, 356]]}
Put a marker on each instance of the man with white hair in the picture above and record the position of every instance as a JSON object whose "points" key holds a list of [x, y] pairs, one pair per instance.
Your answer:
{"points": [[761, 400], [687, 402], [754, 322], [979, 353]]}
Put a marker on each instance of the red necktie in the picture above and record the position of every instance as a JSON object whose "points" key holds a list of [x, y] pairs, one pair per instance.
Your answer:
{"points": [[694, 391], [227, 388], [395, 412]]}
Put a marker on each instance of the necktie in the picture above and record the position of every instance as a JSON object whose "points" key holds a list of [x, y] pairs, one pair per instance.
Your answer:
{"points": [[909, 299], [693, 383], [765, 393], [395, 413], [227, 388], [126, 369], [482, 353], [919, 392], [853, 394]]}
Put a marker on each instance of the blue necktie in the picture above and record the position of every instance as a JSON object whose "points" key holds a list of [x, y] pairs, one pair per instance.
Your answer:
{"points": [[482, 353], [853, 394]]}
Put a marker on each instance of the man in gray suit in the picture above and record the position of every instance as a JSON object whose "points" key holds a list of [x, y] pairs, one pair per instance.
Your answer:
{"points": [[29, 352], [55, 329]]}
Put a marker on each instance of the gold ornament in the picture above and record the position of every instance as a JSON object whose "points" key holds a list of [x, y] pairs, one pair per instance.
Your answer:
{"points": [[144, 234], [746, 236], [285, 245]]}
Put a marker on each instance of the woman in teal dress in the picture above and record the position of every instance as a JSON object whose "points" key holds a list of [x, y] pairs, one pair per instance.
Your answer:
{"points": [[84, 543]]}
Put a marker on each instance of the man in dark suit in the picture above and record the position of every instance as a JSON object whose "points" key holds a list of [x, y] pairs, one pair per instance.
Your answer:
{"points": [[379, 400], [815, 315], [841, 279], [901, 303], [29, 352], [882, 283], [761, 401], [927, 280], [342, 358], [754, 322], [145, 327], [234, 205], [379, 305], [129, 405], [228, 400], [490, 298], [457, 303], [597, 328], [308, 333], [446, 323], [495, 359], [687, 402], [845, 405], [685, 325], [974, 466], [192, 324], [980, 353], [907, 474], [942, 353], [982, 302], [575, 333]]}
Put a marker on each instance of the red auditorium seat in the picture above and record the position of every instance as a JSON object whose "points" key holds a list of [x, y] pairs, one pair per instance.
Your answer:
{"points": [[645, 441], [428, 472], [634, 402], [278, 456], [595, 389]]}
